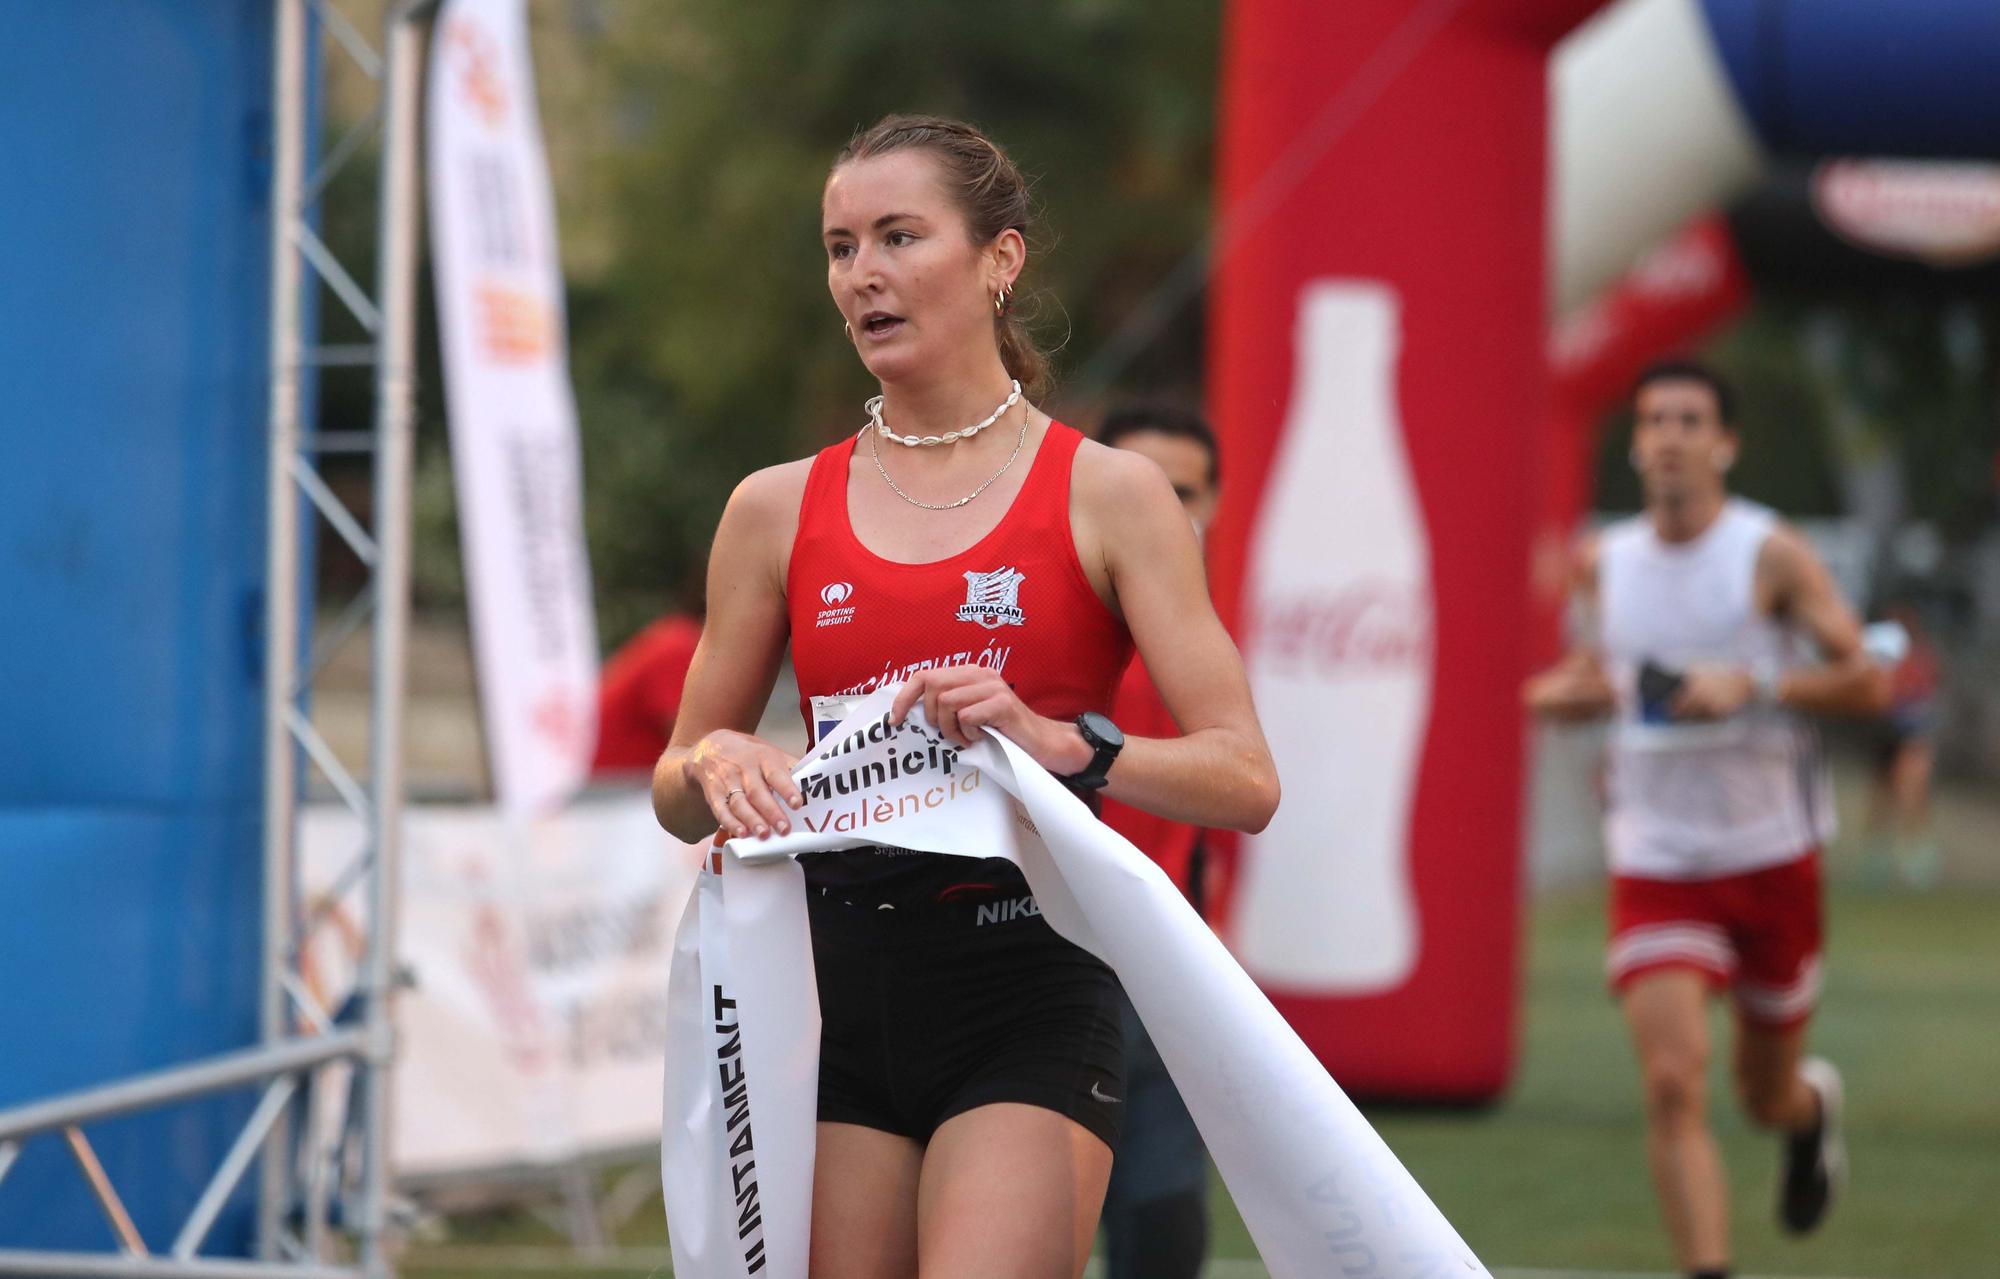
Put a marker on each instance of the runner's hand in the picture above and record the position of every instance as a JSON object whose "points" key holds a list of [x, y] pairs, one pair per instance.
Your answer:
{"points": [[961, 700], [746, 781], [1713, 692]]}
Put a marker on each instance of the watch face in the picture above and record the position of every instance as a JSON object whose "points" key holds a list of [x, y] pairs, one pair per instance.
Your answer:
{"points": [[1103, 730]]}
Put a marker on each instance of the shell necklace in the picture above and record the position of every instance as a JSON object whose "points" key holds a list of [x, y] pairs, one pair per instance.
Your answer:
{"points": [[874, 409]]}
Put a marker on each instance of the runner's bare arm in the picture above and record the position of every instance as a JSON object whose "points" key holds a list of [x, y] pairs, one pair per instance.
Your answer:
{"points": [[1219, 772], [712, 752], [1799, 589], [1576, 688]]}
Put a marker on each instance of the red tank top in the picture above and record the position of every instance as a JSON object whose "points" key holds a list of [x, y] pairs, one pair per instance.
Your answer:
{"points": [[1017, 600]]}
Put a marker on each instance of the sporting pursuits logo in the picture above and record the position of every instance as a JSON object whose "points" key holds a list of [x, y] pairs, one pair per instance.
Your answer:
{"points": [[835, 596], [993, 599]]}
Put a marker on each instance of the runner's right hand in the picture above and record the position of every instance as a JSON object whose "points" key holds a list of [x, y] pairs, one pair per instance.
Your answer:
{"points": [[746, 781]]}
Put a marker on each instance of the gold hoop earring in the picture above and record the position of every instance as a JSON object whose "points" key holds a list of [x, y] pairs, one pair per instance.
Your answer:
{"points": [[848, 329], [1001, 302]]}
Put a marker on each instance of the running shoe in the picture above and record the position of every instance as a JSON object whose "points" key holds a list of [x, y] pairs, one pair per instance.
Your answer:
{"points": [[1816, 1159]]}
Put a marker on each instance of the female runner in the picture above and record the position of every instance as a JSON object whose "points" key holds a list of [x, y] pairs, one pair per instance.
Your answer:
{"points": [[970, 1064]]}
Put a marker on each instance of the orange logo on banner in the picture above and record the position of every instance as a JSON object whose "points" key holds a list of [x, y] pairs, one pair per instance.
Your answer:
{"points": [[332, 955], [479, 77], [514, 327]]}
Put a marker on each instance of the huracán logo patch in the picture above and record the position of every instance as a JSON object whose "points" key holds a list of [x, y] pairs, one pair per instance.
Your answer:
{"points": [[993, 599]]}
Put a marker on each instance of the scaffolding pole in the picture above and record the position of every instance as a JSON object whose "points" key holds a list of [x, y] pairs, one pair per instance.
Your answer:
{"points": [[281, 576], [395, 391]]}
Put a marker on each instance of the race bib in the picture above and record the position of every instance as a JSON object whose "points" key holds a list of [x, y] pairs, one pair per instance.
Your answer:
{"points": [[827, 712]]}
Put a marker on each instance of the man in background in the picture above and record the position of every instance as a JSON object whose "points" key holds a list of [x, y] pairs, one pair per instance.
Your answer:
{"points": [[1156, 1208], [1899, 840], [1712, 631]]}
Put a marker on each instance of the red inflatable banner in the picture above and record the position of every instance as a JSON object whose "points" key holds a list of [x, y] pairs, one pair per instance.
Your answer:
{"points": [[1377, 373]]}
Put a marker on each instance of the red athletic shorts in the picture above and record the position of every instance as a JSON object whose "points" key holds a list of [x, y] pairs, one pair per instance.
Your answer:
{"points": [[1757, 933]]}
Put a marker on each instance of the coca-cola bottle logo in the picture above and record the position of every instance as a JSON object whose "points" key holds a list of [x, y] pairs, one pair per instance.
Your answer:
{"points": [[1361, 626]]}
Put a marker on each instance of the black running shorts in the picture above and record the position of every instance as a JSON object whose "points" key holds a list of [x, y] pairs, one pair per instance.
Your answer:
{"points": [[941, 989]]}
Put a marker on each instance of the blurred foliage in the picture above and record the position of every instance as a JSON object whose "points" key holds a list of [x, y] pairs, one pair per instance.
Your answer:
{"points": [[1921, 380]]}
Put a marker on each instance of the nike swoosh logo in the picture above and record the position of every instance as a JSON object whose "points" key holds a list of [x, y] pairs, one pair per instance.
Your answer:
{"points": [[1100, 1095]]}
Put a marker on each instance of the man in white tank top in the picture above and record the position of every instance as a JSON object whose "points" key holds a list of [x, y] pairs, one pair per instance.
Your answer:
{"points": [[1711, 630]]}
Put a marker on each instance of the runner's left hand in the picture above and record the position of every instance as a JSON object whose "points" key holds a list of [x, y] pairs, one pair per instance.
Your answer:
{"points": [[961, 700]]}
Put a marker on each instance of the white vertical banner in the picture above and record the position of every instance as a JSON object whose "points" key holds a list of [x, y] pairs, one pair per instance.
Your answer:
{"points": [[514, 449]]}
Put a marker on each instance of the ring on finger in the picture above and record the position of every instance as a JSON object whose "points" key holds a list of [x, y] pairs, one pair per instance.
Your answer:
{"points": [[737, 791]]}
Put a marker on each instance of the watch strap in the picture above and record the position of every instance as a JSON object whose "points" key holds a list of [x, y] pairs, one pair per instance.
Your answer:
{"points": [[1102, 754]]}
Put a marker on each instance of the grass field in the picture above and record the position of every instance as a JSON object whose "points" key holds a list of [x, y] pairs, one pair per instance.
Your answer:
{"points": [[1553, 1178]]}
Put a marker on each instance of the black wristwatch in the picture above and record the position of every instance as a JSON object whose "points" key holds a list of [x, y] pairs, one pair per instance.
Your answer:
{"points": [[1105, 741]]}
